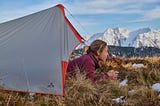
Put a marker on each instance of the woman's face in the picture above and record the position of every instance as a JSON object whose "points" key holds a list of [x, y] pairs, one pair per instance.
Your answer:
{"points": [[103, 55]]}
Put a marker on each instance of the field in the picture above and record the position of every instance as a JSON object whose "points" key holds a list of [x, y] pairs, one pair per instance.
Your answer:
{"points": [[140, 75]]}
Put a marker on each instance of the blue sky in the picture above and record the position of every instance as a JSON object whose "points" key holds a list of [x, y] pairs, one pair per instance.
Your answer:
{"points": [[91, 16]]}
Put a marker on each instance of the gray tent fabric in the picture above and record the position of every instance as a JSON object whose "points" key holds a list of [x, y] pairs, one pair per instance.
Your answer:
{"points": [[32, 49]]}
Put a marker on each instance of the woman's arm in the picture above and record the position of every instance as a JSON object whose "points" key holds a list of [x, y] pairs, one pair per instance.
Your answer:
{"points": [[90, 69]]}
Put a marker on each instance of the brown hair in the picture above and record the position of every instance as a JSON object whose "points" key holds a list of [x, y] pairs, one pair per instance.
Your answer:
{"points": [[97, 45]]}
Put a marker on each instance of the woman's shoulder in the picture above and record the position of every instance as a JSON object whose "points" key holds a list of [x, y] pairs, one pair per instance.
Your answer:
{"points": [[83, 59], [87, 58]]}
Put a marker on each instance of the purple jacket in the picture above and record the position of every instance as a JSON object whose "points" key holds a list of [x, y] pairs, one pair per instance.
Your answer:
{"points": [[87, 63]]}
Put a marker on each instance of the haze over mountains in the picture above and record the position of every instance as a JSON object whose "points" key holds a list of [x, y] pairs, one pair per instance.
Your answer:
{"points": [[128, 38]]}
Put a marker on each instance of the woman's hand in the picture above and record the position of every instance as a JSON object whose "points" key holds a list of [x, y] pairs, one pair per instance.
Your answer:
{"points": [[112, 74]]}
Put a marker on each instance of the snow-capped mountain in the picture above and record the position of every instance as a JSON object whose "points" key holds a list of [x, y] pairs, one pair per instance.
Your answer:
{"points": [[127, 38]]}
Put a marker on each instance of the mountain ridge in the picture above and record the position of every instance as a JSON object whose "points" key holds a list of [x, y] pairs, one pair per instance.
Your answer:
{"points": [[143, 37]]}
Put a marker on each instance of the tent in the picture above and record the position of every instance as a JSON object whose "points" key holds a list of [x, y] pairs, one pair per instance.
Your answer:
{"points": [[34, 51]]}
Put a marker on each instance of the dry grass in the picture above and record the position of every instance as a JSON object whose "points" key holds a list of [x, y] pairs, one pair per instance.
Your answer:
{"points": [[80, 91]]}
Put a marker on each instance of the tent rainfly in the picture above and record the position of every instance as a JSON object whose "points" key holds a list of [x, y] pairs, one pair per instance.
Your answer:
{"points": [[34, 51]]}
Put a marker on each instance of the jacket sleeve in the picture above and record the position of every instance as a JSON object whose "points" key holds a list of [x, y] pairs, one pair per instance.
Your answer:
{"points": [[89, 67]]}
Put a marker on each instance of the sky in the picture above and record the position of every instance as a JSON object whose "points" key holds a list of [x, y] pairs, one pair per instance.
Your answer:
{"points": [[91, 16]]}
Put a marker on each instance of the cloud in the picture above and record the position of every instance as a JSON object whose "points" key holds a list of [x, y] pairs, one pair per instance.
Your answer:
{"points": [[148, 15], [137, 7], [152, 14], [106, 6], [93, 7], [8, 14]]}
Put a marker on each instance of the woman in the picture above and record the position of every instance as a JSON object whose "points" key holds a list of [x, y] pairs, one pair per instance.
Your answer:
{"points": [[97, 53]]}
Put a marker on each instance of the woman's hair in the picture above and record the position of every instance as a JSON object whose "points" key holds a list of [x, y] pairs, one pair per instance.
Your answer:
{"points": [[97, 45]]}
